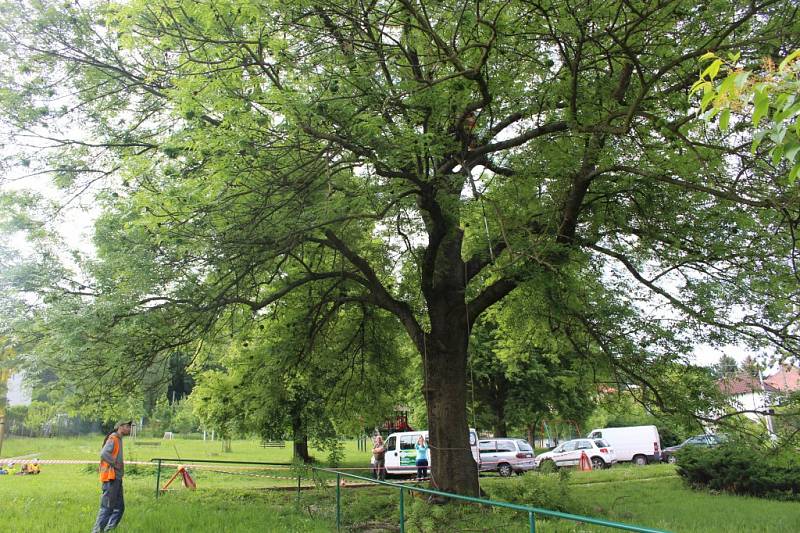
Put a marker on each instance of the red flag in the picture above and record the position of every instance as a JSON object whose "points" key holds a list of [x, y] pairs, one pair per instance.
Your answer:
{"points": [[188, 482], [586, 464]]}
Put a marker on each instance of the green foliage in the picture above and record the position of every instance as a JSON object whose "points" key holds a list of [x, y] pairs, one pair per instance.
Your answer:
{"points": [[520, 381], [787, 419], [725, 367], [178, 417], [770, 94], [335, 448], [620, 410], [549, 491], [741, 468], [289, 376], [38, 415]]}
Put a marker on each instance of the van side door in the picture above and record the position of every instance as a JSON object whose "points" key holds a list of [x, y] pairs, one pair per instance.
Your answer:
{"points": [[488, 451], [408, 453], [391, 457]]}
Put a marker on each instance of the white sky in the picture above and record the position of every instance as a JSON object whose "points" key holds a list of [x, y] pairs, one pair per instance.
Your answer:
{"points": [[18, 393]]}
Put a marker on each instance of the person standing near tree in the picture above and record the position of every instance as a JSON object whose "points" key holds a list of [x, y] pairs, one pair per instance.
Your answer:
{"points": [[422, 458], [379, 456], [112, 468]]}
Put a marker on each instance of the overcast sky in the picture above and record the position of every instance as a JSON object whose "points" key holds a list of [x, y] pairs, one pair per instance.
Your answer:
{"points": [[17, 394]]}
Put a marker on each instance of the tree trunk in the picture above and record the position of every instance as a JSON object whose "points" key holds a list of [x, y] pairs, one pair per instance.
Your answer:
{"points": [[498, 402], [453, 468], [299, 441], [2, 431], [500, 428], [532, 431]]}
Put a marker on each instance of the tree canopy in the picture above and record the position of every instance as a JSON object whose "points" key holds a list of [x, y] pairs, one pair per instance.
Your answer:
{"points": [[427, 159]]}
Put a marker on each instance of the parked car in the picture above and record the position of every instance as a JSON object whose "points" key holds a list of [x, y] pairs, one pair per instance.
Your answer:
{"points": [[706, 441], [638, 444], [505, 456], [599, 452]]}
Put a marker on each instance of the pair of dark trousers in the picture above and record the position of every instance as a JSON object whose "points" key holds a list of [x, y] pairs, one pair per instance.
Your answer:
{"points": [[422, 468], [112, 506], [379, 469]]}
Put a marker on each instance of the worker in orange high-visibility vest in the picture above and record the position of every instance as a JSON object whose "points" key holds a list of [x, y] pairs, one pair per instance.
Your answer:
{"points": [[112, 468]]}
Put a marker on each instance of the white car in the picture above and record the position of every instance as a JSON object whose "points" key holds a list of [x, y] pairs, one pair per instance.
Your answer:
{"points": [[569, 454], [505, 456]]}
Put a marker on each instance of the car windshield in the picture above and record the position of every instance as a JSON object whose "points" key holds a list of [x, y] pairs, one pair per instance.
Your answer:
{"points": [[524, 446], [600, 443]]}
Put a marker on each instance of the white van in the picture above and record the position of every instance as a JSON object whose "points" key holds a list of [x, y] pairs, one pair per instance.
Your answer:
{"points": [[639, 444], [401, 454]]}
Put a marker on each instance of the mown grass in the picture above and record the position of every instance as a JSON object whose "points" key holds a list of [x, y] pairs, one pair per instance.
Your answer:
{"points": [[65, 498], [140, 450]]}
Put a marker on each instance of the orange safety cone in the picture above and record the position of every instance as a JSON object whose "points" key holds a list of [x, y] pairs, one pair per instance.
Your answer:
{"points": [[586, 464]]}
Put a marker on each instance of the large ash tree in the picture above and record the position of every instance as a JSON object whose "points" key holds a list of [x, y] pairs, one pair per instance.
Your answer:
{"points": [[425, 158]]}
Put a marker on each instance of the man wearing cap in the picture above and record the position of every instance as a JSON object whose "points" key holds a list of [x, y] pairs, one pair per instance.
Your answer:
{"points": [[112, 468]]}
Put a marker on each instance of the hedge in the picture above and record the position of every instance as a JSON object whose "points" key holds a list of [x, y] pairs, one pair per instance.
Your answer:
{"points": [[743, 469]]}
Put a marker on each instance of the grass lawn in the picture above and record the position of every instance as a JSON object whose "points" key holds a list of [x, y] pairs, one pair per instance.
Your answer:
{"points": [[144, 449], [65, 497]]}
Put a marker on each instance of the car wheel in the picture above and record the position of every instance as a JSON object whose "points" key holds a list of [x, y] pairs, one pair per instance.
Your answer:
{"points": [[672, 459], [598, 463], [505, 470], [639, 460]]}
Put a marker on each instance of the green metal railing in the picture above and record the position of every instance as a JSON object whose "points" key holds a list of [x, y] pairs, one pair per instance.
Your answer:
{"points": [[159, 460], [532, 511]]}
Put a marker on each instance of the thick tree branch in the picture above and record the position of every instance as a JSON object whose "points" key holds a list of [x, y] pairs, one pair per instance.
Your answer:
{"points": [[484, 258], [378, 292], [488, 297]]}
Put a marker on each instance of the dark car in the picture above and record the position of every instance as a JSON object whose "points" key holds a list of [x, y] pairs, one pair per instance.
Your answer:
{"points": [[706, 441]]}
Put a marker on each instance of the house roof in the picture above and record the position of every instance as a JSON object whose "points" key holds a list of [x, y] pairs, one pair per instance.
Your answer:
{"points": [[786, 379], [743, 383]]}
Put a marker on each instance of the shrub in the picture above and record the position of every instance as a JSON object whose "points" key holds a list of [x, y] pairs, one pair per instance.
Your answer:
{"points": [[742, 469], [549, 491]]}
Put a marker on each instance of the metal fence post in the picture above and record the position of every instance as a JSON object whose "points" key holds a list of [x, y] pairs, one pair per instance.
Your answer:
{"points": [[402, 511], [158, 478], [532, 520], [338, 501]]}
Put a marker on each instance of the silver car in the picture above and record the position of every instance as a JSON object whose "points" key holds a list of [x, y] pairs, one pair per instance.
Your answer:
{"points": [[506, 456]]}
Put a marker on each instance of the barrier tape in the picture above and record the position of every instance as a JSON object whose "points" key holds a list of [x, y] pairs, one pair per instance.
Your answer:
{"points": [[29, 459]]}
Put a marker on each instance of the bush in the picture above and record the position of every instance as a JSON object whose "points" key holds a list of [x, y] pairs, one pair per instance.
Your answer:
{"points": [[743, 469], [549, 491]]}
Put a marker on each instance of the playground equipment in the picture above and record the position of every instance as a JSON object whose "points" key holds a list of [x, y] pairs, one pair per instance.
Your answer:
{"points": [[557, 431]]}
